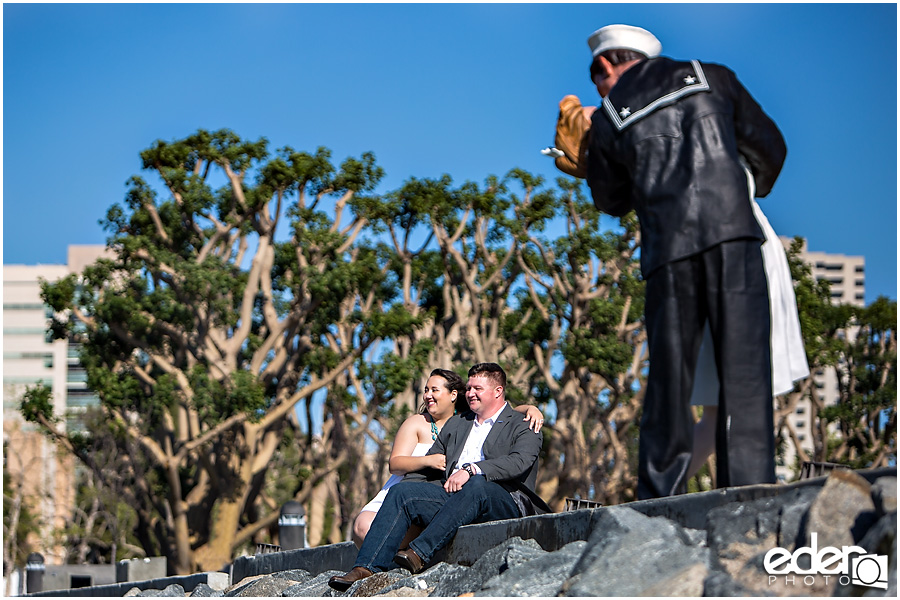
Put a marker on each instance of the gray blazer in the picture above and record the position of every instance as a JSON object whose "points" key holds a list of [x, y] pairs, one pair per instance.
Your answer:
{"points": [[510, 456]]}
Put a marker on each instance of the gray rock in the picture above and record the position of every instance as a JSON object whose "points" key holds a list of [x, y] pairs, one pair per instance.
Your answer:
{"points": [[740, 520], [688, 582], [884, 495], [432, 576], [458, 581], [204, 591], [721, 584], [522, 551], [740, 533], [777, 517], [406, 592], [629, 553], [793, 513], [493, 562], [842, 512], [317, 586], [170, 591], [695, 537], [375, 584], [294, 575], [541, 576], [513, 552], [135, 591], [428, 578], [791, 520], [740, 559], [749, 577], [236, 587], [881, 539], [263, 588]]}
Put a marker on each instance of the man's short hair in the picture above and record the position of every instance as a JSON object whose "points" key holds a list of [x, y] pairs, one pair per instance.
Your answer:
{"points": [[617, 56], [491, 371]]}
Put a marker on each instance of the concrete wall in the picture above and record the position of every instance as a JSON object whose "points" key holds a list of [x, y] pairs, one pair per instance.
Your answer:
{"points": [[60, 577], [141, 569], [217, 581], [315, 560]]}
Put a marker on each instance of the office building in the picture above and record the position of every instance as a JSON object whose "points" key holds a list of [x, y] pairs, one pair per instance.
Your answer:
{"points": [[43, 475]]}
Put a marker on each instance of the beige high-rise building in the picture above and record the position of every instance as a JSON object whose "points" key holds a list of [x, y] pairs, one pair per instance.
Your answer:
{"points": [[44, 477], [846, 274], [847, 277]]}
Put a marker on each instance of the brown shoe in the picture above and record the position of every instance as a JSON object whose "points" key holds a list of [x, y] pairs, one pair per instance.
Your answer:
{"points": [[343, 582], [409, 560]]}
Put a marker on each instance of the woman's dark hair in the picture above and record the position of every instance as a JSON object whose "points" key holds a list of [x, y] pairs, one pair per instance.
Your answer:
{"points": [[453, 383]]}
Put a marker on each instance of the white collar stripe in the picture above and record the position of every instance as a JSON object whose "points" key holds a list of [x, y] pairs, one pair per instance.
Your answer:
{"points": [[702, 85]]}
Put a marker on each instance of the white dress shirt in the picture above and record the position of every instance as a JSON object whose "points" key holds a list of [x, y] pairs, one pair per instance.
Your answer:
{"points": [[472, 450]]}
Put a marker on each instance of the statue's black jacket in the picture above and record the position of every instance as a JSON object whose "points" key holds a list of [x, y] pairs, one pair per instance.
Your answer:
{"points": [[667, 143]]}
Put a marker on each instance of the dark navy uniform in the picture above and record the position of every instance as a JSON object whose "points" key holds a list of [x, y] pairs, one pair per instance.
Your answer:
{"points": [[668, 143]]}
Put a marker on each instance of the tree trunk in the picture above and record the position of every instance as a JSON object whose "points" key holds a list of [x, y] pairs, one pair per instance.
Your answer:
{"points": [[217, 552]]}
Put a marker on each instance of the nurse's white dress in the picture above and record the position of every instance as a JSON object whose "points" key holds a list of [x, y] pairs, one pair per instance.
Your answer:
{"points": [[376, 502], [788, 356]]}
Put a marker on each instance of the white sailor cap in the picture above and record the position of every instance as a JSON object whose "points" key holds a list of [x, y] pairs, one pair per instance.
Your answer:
{"points": [[628, 37]]}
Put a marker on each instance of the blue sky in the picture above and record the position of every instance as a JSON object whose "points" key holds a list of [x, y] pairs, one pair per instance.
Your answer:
{"points": [[464, 89]]}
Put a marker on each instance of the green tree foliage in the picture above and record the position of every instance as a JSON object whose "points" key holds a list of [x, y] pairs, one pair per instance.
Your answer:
{"points": [[204, 332], [865, 415], [859, 344], [103, 527]]}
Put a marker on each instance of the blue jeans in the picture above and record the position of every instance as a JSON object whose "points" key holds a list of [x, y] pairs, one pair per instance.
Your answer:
{"points": [[440, 513]]}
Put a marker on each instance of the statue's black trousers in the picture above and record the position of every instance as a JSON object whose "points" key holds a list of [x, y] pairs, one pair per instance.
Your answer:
{"points": [[726, 284]]}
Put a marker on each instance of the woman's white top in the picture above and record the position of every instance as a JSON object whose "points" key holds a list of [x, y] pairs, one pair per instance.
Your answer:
{"points": [[375, 503]]}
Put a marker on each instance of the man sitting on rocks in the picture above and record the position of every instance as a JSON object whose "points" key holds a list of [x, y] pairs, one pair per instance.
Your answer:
{"points": [[492, 457]]}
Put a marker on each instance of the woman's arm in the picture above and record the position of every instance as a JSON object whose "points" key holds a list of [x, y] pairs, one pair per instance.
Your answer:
{"points": [[533, 415], [401, 461]]}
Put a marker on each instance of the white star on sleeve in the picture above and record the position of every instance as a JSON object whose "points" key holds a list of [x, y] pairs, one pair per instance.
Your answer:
{"points": [[690, 79], [624, 112]]}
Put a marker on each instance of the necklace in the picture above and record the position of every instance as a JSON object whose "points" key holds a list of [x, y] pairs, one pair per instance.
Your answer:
{"points": [[434, 429]]}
